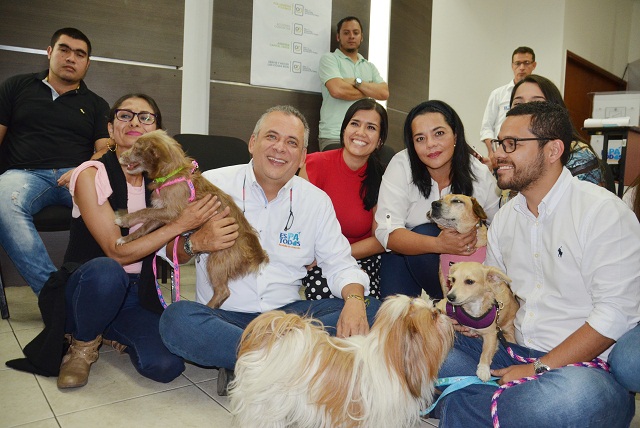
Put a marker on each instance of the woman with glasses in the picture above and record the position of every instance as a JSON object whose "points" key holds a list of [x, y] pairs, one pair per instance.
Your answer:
{"points": [[583, 161], [436, 162], [351, 177], [111, 292]]}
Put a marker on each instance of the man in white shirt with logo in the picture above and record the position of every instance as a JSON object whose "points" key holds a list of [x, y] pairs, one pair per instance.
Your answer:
{"points": [[296, 224], [523, 62], [572, 250]]}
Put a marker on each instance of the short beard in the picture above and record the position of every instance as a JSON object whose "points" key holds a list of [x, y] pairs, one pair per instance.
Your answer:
{"points": [[527, 177]]}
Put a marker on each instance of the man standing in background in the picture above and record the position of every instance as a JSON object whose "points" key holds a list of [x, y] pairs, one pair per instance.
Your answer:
{"points": [[346, 77], [523, 62]]}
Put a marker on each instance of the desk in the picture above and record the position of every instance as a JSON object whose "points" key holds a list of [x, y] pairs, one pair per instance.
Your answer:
{"points": [[629, 164]]}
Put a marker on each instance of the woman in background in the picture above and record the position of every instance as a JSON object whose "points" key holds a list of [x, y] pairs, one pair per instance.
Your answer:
{"points": [[351, 177], [436, 162]]}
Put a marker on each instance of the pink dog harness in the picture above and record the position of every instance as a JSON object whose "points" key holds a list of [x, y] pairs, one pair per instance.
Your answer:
{"points": [[448, 260], [175, 278]]}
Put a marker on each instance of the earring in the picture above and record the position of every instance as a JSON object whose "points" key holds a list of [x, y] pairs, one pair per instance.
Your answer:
{"points": [[112, 148]]}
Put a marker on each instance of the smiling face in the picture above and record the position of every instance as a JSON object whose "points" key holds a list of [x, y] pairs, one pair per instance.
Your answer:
{"points": [[278, 151], [362, 134], [434, 141], [527, 92], [68, 60], [521, 169], [126, 133]]}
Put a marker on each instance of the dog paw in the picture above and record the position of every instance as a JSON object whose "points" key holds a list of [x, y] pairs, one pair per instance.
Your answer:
{"points": [[121, 218], [121, 241], [483, 372]]}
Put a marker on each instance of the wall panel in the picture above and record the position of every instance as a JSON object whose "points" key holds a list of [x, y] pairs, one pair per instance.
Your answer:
{"points": [[409, 60], [145, 31]]}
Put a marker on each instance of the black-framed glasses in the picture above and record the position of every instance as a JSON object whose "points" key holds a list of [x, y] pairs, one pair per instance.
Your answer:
{"points": [[144, 117], [509, 145]]}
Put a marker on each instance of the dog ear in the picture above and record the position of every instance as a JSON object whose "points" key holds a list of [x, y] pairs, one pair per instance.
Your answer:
{"points": [[477, 209], [495, 275]]}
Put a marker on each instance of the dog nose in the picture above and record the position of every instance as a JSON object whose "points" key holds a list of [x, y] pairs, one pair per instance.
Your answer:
{"points": [[451, 297], [436, 204]]}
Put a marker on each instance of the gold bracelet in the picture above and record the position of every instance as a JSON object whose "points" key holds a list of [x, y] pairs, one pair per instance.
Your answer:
{"points": [[359, 297]]}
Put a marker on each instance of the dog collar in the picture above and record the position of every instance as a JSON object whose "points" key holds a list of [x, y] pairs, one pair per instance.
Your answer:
{"points": [[483, 321], [161, 180]]}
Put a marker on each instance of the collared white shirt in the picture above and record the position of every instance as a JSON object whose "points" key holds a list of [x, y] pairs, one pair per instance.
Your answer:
{"points": [[401, 205], [496, 111], [314, 235], [577, 262]]}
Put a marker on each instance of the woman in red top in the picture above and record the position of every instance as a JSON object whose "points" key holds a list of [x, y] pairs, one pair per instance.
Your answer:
{"points": [[351, 177]]}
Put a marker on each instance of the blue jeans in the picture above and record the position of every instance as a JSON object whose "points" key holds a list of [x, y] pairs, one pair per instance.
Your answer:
{"points": [[210, 337], [22, 194], [103, 299], [625, 360], [400, 274], [564, 397]]}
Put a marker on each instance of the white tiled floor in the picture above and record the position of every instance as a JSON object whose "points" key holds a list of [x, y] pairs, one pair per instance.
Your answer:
{"points": [[116, 394]]}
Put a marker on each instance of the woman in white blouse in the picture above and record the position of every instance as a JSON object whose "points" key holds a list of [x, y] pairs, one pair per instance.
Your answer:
{"points": [[437, 161]]}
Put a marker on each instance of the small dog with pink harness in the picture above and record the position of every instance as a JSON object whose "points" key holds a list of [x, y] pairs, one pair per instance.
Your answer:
{"points": [[462, 213], [176, 181]]}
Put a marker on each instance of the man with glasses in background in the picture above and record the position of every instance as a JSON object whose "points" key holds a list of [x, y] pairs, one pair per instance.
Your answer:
{"points": [[523, 62], [296, 224], [50, 122], [572, 250]]}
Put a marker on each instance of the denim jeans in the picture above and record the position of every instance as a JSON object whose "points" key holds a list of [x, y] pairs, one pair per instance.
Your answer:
{"points": [[22, 194], [625, 360], [400, 274], [103, 299], [564, 397], [210, 337]]}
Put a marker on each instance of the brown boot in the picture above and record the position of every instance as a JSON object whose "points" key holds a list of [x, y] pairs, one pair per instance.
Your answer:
{"points": [[74, 370]]}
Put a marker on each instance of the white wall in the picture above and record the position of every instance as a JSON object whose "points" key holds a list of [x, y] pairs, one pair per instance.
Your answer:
{"points": [[472, 42]]}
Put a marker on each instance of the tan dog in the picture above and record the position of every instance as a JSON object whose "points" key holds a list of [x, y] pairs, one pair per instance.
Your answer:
{"points": [[163, 159], [462, 213], [480, 298], [290, 372]]}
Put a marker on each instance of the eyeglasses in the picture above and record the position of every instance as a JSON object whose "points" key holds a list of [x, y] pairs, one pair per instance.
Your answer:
{"points": [[509, 145], [291, 217], [519, 63], [144, 117]]}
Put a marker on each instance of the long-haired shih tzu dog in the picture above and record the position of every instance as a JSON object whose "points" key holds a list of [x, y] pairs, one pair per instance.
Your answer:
{"points": [[290, 372]]}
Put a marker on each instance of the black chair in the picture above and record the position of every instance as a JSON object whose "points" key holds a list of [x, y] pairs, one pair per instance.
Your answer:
{"points": [[54, 218], [214, 151]]}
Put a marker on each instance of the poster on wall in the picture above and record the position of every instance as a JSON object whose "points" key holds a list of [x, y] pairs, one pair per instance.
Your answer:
{"points": [[287, 42]]}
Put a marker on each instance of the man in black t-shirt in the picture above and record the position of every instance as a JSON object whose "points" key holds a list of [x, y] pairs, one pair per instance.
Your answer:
{"points": [[50, 122]]}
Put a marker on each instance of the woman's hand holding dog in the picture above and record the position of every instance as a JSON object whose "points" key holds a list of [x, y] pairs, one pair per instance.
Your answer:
{"points": [[196, 214], [514, 372], [453, 242]]}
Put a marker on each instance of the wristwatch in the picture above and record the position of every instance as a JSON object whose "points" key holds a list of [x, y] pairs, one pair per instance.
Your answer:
{"points": [[188, 248], [358, 82], [539, 367]]}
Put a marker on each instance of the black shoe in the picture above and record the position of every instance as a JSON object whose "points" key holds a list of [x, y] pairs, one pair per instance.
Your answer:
{"points": [[224, 377]]}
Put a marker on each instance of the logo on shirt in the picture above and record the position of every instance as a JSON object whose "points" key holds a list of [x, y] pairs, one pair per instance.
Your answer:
{"points": [[290, 239], [560, 252]]}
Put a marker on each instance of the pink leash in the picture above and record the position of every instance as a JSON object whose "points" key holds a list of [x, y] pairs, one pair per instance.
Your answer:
{"points": [[596, 363], [175, 276]]}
